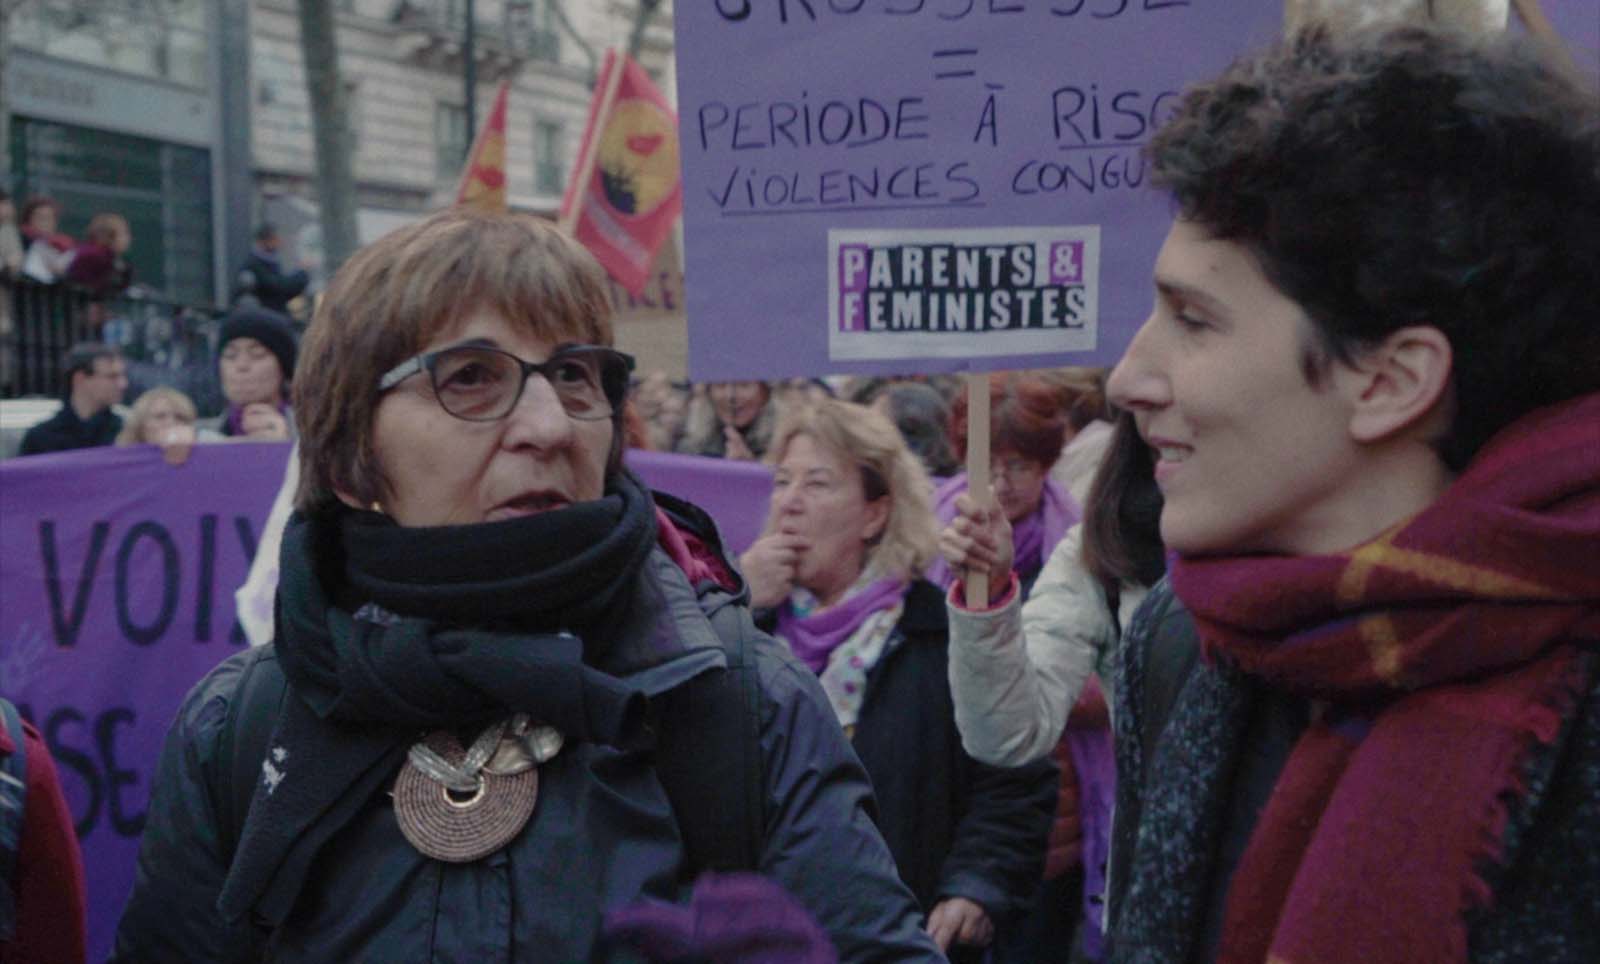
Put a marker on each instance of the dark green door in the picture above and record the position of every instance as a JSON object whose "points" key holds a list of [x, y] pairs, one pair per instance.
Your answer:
{"points": [[164, 190]]}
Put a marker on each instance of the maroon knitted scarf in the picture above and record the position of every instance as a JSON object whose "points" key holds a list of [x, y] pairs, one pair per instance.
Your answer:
{"points": [[1441, 653]]}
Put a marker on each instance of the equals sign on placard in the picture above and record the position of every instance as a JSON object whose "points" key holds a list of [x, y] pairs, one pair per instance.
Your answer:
{"points": [[954, 63]]}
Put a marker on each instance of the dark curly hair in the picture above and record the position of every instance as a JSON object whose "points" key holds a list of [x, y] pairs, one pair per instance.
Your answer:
{"points": [[1411, 176]]}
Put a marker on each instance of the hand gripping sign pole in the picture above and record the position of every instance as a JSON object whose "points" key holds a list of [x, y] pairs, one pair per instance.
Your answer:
{"points": [[978, 474]]}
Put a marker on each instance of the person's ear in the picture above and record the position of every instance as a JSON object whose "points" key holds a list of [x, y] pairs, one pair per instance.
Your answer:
{"points": [[877, 518], [1398, 384]]}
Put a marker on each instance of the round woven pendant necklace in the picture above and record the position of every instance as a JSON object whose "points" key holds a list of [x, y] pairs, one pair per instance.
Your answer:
{"points": [[458, 805]]}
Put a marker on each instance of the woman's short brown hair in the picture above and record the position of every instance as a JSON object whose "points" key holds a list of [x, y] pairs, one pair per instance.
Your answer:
{"points": [[867, 437], [398, 294]]}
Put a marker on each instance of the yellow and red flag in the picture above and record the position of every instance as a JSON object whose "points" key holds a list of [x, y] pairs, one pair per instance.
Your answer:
{"points": [[483, 181], [626, 190]]}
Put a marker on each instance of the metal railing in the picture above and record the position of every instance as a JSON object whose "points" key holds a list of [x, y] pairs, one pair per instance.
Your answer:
{"points": [[165, 342]]}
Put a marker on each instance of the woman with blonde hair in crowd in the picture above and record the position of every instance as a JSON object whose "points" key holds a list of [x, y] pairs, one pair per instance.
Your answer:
{"points": [[836, 577], [165, 417], [161, 416]]}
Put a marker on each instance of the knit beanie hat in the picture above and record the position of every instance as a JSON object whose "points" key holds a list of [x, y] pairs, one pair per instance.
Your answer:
{"points": [[268, 327]]}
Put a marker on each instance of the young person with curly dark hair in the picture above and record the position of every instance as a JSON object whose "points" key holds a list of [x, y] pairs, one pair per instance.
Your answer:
{"points": [[1371, 381]]}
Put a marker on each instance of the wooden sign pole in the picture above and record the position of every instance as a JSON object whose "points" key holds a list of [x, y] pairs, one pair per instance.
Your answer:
{"points": [[978, 473]]}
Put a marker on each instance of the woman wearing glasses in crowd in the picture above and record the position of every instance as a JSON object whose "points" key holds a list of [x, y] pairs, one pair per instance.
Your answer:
{"points": [[482, 623], [1027, 428]]}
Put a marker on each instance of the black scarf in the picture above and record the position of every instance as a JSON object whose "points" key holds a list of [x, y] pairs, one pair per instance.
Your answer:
{"points": [[427, 628]]}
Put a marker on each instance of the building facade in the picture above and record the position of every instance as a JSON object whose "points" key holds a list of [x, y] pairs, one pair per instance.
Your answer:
{"points": [[404, 66], [114, 107], [191, 117]]}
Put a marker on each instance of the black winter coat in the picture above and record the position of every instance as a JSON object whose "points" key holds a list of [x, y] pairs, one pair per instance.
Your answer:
{"points": [[65, 432], [956, 827], [271, 286], [371, 897]]}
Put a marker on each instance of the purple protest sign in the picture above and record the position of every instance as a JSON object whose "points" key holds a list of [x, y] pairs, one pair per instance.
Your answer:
{"points": [[735, 493], [835, 153], [117, 574]]}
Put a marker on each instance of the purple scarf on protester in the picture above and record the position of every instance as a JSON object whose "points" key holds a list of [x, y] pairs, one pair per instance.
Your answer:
{"points": [[813, 638], [1033, 536]]}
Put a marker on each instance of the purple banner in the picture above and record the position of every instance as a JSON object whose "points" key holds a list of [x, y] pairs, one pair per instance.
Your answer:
{"points": [[735, 493], [891, 185], [117, 580], [117, 574]]}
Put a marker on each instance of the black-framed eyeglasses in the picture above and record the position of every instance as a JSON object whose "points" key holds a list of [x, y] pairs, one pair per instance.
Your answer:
{"points": [[478, 383]]}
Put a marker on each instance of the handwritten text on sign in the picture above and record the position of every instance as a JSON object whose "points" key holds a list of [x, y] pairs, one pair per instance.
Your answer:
{"points": [[805, 121]]}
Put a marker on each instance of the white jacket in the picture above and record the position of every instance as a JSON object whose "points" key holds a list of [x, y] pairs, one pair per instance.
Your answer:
{"points": [[1016, 671]]}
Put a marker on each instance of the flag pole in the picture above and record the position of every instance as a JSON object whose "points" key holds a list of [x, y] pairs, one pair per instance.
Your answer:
{"points": [[591, 152], [977, 581], [493, 125]]}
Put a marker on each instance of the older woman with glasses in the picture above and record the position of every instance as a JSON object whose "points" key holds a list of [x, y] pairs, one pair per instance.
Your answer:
{"points": [[848, 532], [511, 692], [1028, 427]]}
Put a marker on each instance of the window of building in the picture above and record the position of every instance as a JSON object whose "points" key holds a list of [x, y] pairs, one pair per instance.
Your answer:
{"points": [[532, 25], [546, 43], [549, 157], [162, 189], [165, 40], [450, 139]]}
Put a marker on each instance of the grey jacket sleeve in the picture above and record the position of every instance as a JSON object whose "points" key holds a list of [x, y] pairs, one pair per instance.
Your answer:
{"points": [[1014, 677], [172, 915], [821, 842]]}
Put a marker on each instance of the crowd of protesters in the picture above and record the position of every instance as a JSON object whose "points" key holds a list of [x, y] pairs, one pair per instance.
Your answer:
{"points": [[1290, 649]]}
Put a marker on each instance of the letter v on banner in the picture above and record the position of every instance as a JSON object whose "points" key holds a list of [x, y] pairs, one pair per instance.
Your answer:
{"points": [[626, 190], [483, 180]]}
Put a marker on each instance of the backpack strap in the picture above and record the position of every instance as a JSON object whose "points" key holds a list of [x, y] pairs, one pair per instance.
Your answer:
{"points": [[708, 755], [1113, 591], [246, 733], [13, 810]]}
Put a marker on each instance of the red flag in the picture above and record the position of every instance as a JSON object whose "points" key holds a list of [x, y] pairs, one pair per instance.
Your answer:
{"points": [[626, 190], [483, 180]]}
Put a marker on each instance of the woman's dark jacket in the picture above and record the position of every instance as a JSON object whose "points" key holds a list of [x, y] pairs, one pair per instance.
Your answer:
{"points": [[956, 827], [1546, 892], [370, 896]]}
